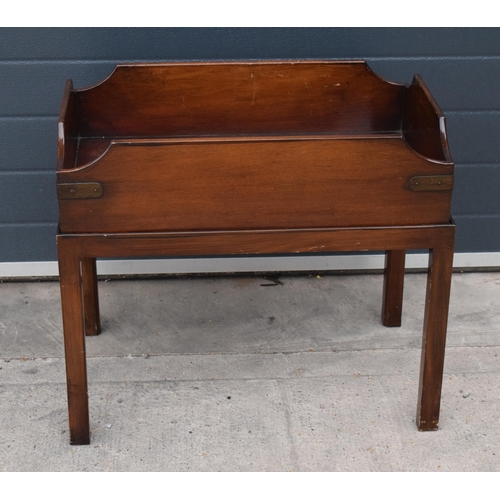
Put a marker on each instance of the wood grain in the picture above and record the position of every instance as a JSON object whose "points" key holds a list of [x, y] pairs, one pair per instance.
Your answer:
{"points": [[423, 123], [74, 343], [394, 275], [271, 242], [67, 128], [194, 99], [252, 158], [254, 184], [434, 336], [90, 297]]}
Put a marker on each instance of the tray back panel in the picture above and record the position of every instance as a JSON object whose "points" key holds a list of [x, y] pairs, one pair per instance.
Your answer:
{"points": [[251, 98]]}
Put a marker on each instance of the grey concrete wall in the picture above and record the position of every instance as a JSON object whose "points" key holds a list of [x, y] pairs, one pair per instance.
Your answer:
{"points": [[460, 65]]}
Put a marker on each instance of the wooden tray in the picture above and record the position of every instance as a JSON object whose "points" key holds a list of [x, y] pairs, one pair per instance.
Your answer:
{"points": [[252, 158]]}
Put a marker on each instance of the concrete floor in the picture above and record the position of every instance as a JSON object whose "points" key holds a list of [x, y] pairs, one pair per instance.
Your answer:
{"points": [[231, 374]]}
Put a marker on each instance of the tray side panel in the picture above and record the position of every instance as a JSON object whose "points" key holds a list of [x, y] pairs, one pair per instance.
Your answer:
{"points": [[67, 128], [240, 99], [254, 185], [423, 122]]}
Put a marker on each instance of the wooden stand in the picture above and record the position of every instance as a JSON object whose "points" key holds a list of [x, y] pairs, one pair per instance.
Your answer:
{"points": [[206, 159]]}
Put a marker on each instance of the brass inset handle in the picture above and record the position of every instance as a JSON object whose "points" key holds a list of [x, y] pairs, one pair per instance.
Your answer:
{"points": [[79, 191], [431, 183]]}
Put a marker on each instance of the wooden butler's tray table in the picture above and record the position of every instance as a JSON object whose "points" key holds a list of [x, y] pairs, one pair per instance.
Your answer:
{"points": [[252, 158]]}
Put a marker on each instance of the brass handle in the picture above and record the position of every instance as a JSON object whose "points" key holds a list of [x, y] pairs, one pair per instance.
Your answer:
{"points": [[431, 183], [79, 191]]}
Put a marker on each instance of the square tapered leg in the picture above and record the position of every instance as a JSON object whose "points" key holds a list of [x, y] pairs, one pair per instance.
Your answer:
{"points": [[434, 337], [394, 276], [90, 297], [74, 343]]}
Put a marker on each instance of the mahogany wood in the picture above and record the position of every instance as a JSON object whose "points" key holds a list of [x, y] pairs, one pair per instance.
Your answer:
{"points": [[68, 130], [336, 183], [90, 297], [74, 343], [252, 158], [260, 242], [247, 98], [423, 123], [394, 276], [434, 337]]}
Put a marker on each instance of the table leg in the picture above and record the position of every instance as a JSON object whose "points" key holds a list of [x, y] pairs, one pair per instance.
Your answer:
{"points": [[74, 344], [90, 297], [394, 276], [434, 337]]}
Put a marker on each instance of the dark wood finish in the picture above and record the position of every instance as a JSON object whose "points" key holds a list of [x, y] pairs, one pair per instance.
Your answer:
{"points": [[253, 158], [262, 242], [90, 149], [270, 242], [90, 297], [245, 98], [434, 337], [74, 343], [394, 277], [423, 122], [335, 182], [67, 129]]}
